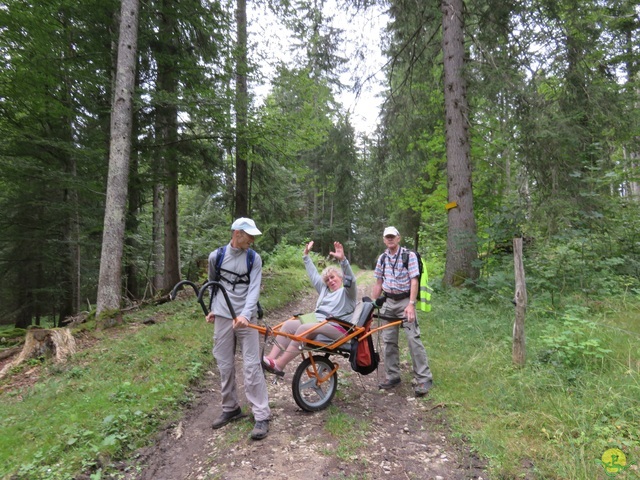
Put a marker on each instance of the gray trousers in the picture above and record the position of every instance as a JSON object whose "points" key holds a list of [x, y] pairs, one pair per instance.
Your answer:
{"points": [[255, 385], [421, 371]]}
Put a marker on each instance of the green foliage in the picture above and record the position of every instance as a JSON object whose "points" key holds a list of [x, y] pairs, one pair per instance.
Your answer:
{"points": [[284, 277], [52, 150], [284, 257], [204, 226], [559, 412], [552, 149], [573, 342], [303, 177], [582, 261], [55, 84]]}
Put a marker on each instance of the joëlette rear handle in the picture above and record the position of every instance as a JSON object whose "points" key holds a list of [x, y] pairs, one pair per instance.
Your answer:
{"points": [[200, 292], [220, 287]]}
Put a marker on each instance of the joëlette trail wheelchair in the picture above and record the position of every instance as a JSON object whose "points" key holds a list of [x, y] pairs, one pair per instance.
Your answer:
{"points": [[315, 380]]}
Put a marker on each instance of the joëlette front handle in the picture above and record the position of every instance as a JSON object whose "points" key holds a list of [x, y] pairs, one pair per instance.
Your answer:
{"points": [[177, 287]]}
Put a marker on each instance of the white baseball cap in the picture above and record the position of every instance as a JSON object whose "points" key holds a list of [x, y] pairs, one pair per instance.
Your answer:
{"points": [[391, 231], [247, 225]]}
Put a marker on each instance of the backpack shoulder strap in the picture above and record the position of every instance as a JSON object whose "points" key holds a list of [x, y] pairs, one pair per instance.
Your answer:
{"points": [[219, 258], [251, 256], [217, 273], [383, 260]]}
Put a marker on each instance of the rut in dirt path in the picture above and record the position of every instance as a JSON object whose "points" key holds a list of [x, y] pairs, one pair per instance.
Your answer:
{"points": [[366, 433]]}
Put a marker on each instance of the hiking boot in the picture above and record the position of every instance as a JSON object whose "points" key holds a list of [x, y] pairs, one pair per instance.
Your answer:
{"points": [[389, 384], [260, 430], [422, 389], [227, 417]]}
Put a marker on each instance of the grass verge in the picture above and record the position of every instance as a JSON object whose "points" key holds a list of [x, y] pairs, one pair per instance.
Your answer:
{"points": [[576, 397]]}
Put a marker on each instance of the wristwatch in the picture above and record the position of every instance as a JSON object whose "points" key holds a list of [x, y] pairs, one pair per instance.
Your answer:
{"points": [[412, 302]]}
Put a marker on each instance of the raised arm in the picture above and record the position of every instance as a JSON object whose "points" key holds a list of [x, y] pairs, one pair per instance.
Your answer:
{"points": [[312, 271], [349, 281]]}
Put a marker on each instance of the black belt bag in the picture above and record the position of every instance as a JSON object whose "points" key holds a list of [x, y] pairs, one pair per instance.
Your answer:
{"points": [[397, 296]]}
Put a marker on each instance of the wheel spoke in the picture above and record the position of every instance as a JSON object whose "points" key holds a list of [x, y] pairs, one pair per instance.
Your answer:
{"points": [[321, 393], [311, 383]]}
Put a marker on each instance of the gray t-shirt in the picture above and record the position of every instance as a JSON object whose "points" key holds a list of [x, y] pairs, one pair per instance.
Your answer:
{"points": [[243, 297], [340, 303]]}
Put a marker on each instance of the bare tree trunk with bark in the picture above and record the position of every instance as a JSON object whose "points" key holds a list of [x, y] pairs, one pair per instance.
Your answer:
{"points": [[157, 263], [461, 234], [242, 170], [167, 113], [110, 280]]}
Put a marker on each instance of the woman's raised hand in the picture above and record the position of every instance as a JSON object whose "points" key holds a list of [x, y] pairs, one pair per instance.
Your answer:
{"points": [[308, 248], [339, 251]]}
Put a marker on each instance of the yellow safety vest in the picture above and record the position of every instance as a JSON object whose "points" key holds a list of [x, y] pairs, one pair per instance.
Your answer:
{"points": [[424, 294]]}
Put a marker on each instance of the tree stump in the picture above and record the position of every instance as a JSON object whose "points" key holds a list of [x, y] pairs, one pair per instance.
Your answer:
{"points": [[56, 343]]}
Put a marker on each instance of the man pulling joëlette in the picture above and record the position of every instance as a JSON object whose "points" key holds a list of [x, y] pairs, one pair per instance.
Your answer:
{"points": [[243, 289]]}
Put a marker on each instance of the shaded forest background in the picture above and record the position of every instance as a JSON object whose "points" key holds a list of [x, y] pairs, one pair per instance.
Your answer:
{"points": [[552, 122]]}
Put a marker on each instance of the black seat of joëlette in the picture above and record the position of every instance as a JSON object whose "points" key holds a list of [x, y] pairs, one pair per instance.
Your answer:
{"points": [[358, 317]]}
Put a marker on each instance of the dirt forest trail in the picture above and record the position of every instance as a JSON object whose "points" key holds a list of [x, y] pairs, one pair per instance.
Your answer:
{"points": [[366, 433]]}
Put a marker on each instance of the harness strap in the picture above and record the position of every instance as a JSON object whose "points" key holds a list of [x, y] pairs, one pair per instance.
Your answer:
{"points": [[240, 278]]}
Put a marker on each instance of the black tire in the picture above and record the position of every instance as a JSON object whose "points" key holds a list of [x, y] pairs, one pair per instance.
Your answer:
{"points": [[308, 394]]}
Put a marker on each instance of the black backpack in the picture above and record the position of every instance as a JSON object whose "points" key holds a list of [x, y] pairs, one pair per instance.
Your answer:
{"points": [[243, 278], [363, 357], [404, 253]]}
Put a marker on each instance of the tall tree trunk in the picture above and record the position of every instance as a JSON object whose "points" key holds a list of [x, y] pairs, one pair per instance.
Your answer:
{"points": [[242, 171], [73, 242], [131, 267], [132, 270], [171, 248], [110, 279], [167, 115], [632, 73], [157, 246], [461, 233], [69, 291], [70, 304], [518, 348]]}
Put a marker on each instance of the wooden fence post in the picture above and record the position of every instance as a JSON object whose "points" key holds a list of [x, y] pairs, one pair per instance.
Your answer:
{"points": [[520, 299]]}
